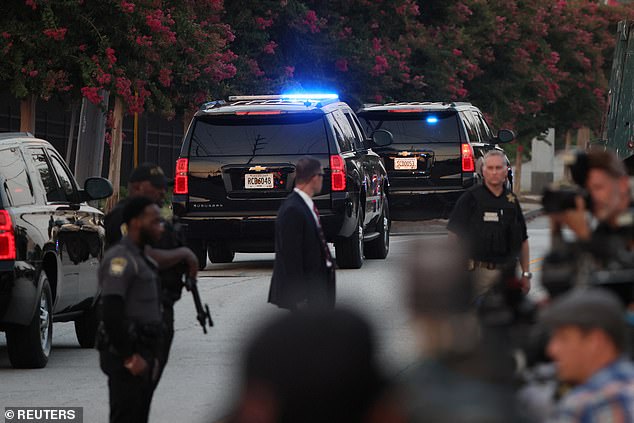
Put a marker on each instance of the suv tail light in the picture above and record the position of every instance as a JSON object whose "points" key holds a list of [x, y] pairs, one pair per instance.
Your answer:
{"points": [[337, 173], [181, 181], [468, 162], [7, 237]]}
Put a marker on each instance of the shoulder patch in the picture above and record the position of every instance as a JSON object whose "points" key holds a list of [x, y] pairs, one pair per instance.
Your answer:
{"points": [[124, 229], [117, 266]]}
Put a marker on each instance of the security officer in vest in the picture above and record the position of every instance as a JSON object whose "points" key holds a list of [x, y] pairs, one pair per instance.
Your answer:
{"points": [[130, 331], [170, 253], [489, 219]]}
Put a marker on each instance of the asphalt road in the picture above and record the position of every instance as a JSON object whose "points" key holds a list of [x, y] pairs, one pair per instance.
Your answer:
{"points": [[204, 370]]}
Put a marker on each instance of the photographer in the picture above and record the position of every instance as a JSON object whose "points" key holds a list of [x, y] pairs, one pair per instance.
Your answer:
{"points": [[605, 178]]}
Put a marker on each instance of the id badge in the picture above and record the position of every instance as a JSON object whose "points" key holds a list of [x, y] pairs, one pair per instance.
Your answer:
{"points": [[490, 217]]}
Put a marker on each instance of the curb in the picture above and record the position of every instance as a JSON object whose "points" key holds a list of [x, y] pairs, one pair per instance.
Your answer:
{"points": [[532, 214]]}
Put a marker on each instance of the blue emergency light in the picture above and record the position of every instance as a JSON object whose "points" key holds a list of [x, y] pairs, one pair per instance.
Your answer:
{"points": [[432, 120], [310, 96]]}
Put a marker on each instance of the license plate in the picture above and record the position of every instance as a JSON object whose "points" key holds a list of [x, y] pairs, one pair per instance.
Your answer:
{"points": [[405, 163], [260, 180]]}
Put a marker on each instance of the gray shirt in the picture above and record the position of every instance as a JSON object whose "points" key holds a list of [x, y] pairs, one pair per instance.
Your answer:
{"points": [[127, 272]]}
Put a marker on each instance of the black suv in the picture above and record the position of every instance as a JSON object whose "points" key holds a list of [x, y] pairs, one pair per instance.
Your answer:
{"points": [[432, 160], [51, 242], [237, 164]]}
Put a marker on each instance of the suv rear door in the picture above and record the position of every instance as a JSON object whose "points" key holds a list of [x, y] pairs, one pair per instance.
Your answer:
{"points": [[426, 149], [235, 159]]}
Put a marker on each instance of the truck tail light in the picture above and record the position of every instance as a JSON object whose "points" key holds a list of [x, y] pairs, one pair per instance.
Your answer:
{"points": [[181, 181], [337, 173], [7, 237], [468, 162]]}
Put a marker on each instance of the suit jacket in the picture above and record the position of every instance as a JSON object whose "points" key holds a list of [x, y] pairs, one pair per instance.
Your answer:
{"points": [[300, 272]]}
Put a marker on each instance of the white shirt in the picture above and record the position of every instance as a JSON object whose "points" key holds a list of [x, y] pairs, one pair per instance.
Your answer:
{"points": [[309, 202]]}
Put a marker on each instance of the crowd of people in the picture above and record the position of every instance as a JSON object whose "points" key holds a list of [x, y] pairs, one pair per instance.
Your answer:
{"points": [[479, 334]]}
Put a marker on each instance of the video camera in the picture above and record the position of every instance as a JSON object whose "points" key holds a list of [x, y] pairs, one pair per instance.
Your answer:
{"points": [[561, 196]]}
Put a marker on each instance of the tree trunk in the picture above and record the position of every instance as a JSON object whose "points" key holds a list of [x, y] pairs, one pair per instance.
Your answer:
{"points": [[27, 114], [114, 172], [187, 119]]}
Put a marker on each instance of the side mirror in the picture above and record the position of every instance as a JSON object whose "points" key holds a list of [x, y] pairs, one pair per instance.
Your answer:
{"points": [[382, 138], [505, 135], [96, 188]]}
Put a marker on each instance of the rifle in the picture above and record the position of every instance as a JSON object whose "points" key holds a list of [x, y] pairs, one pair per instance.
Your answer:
{"points": [[202, 313]]}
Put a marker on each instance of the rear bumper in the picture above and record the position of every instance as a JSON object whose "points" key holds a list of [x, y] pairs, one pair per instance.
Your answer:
{"points": [[247, 234]]}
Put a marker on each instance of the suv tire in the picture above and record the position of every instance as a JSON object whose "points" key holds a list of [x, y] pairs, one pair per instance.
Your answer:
{"points": [[380, 247], [349, 250], [220, 253], [86, 328], [30, 346]]}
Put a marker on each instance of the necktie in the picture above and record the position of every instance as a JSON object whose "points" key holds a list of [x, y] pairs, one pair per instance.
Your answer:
{"points": [[322, 239]]}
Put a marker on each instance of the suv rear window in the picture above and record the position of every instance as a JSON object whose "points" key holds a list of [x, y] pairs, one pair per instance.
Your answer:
{"points": [[415, 128], [259, 135]]}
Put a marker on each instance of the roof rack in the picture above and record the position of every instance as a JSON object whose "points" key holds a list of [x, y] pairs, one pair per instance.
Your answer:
{"points": [[309, 99], [211, 104]]}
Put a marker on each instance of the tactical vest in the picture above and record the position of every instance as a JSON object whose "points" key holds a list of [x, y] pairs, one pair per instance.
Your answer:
{"points": [[495, 230]]}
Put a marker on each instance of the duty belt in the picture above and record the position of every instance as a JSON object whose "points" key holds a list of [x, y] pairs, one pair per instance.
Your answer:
{"points": [[473, 264]]}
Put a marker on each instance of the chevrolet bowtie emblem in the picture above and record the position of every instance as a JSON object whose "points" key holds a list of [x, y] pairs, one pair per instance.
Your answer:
{"points": [[404, 153], [258, 168]]}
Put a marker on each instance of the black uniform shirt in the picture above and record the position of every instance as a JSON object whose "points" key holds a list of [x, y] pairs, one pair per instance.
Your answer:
{"points": [[127, 272], [469, 218]]}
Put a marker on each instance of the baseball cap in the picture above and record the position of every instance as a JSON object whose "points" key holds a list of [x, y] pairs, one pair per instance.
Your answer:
{"points": [[149, 172], [588, 308]]}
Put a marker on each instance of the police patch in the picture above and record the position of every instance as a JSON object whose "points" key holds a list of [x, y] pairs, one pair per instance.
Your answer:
{"points": [[117, 266], [511, 198]]}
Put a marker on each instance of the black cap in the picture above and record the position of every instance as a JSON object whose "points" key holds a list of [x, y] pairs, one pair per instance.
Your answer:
{"points": [[149, 172], [588, 308]]}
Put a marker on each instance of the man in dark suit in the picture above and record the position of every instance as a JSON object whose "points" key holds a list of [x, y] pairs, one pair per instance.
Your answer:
{"points": [[304, 271]]}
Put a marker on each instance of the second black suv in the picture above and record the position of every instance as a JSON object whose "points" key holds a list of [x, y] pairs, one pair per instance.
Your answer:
{"points": [[237, 164], [432, 157], [51, 242]]}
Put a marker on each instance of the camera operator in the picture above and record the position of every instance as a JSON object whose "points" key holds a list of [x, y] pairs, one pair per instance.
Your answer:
{"points": [[605, 178]]}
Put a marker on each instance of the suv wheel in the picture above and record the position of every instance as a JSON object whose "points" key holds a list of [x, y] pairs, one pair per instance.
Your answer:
{"points": [[349, 250], [378, 248], [220, 253], [29, 346], [86, 328]]}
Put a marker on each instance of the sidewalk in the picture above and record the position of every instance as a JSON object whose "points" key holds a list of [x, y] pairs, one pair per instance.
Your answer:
{"points": [[531, 206]]}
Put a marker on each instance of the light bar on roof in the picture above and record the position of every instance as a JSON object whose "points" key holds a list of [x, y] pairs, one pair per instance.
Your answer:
{"points": [[310, 96]]}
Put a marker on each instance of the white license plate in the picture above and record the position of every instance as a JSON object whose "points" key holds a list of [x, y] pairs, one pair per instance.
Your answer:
{"points": [[260, 180], [405, 163]]}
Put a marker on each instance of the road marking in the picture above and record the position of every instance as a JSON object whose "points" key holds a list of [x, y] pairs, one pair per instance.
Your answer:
{"points": [[536, 260]]}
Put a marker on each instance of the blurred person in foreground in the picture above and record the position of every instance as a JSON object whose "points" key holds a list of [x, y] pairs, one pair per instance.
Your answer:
{"points": [[488, 219], [465, 371], [314, 367], [587, 344]]}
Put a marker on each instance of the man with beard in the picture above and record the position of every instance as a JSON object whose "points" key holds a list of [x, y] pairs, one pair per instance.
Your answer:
{"points": [[169, 252], [130, 329]]}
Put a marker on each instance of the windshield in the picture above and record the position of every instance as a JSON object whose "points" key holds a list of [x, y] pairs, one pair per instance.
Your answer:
{"points": [[415, 128], [300, 134]]}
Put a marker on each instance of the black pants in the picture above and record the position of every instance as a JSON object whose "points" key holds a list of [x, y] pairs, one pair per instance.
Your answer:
{"points": [[168, 337], [130, 396]]}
